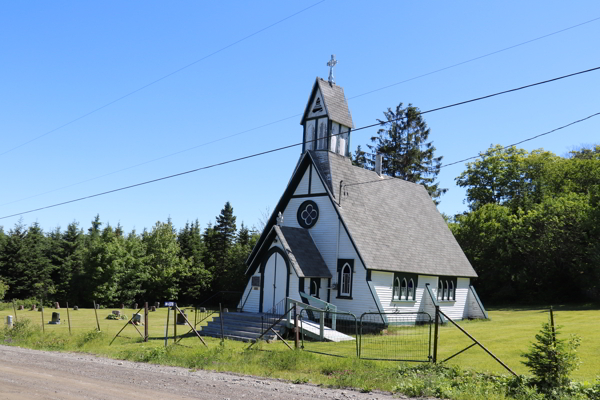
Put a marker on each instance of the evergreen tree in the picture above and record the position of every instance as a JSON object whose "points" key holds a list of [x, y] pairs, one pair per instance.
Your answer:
{"points": [[192, 248], [360, 158], [35, 264], [407, 154]]}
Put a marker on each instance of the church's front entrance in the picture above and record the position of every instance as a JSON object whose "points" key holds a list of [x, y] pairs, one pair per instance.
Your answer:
{"points": [[275, 278]]}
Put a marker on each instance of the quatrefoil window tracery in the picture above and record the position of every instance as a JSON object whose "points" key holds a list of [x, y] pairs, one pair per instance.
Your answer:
{"points": [[308, 213]]}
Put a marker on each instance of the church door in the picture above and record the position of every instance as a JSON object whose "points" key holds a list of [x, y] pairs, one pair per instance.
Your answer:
{"points": [[275, 282]]}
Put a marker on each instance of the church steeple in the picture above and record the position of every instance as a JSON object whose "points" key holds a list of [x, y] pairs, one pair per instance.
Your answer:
{"points": [[326, 120]]}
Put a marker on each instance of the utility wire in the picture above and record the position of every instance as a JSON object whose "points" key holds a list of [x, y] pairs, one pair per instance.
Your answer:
{"points": [[290, 117], [255, 33], [300, 143], [284, 119], [390, 178], [163, 77]]}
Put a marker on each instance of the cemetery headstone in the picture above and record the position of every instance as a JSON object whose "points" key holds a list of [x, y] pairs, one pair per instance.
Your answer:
{"points": [[225, 310], [135, 307], [157, 304], [122, 306], [202, 309], [153, 308], [21, 307], [75, 308], [9, 321], [180, 319], [97, 306], [137, 318], [33, 307], [56, 305], [117, 313], [55, 318]]}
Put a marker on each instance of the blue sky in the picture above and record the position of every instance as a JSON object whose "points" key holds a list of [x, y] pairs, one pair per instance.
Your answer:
{"points": [[62, 60]]}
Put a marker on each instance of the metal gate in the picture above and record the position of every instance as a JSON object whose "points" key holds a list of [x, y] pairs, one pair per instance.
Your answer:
{"points": [[395, 336], [330, 333]]}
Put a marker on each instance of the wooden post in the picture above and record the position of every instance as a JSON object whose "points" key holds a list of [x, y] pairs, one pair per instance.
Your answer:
{"points": [[43, 327], [68, 318], [15, 309], [552, 325], [321, 326], [167, 329], [145, 321], [195, 316], [435, 333], [221, 318], [296, 329], [174, 324], [96, 312]]}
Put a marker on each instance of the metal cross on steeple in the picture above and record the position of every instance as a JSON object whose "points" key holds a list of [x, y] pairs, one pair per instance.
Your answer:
{"points": [[331, 64]]}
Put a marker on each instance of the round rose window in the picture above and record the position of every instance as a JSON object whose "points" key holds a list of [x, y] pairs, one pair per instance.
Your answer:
{"points": [[308, 214]]}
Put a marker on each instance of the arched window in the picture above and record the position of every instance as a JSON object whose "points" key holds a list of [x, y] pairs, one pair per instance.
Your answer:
{"points": [[445, 295], [314, 289], [451, 291], [396, 291], [322, 139], [346, 280], [411, 290], [440, 291], [403, 289]]}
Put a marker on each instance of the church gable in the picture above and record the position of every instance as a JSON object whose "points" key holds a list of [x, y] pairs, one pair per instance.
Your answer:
{"points": [[317, 108]]}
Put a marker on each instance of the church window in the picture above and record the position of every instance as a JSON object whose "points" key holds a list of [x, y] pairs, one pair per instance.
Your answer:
{"points": [[446, 288], [322, 139], [404, 288], [310, 135], [314, 287], [345, 270], [308, 214]]}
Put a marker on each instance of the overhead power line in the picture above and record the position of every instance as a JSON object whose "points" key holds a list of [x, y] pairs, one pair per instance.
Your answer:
{"points": [[481, 155], [275, 122], [300, 143], [247, 37], [163, 77]]}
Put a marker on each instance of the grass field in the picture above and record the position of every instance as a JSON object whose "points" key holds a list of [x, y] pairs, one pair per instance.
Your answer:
{"points": [[507, 334]]}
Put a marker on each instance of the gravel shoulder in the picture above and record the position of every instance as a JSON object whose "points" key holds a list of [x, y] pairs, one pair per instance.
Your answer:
{"points": [[34, 374]]}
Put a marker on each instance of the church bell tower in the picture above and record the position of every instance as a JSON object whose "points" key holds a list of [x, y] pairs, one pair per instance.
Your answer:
{"points": [[327, 121]]}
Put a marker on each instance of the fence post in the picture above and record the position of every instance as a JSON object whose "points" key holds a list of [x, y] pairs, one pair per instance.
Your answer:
{"points": [[167, 327], [146, 321], [68, 318], [43, 328], [552, 325], [435, 334], [297, 335], [221, 318], [175, 323], [15, 309], [96, 312], [321, 326]]}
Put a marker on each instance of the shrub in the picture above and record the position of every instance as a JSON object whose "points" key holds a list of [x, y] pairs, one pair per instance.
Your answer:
{"points": [[551, 360]]}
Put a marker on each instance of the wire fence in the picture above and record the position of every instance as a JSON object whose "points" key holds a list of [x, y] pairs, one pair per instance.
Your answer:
{"points": [[330, 333], [396, 336]]}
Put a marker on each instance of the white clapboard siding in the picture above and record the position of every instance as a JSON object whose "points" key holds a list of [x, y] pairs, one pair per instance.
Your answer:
{"points": [[383, 284], [302, 187], [294, 282], [253, 299], [473, 310], [316, 184], [362, 298]]}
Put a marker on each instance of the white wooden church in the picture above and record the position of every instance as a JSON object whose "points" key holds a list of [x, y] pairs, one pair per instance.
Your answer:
{"points": [[373, 247]]}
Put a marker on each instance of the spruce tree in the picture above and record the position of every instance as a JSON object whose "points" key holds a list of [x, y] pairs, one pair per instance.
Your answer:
{"points": [[402, 140]]}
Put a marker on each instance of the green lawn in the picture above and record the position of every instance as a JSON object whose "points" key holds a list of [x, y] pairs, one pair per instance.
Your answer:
{"points": [[507, 334]]}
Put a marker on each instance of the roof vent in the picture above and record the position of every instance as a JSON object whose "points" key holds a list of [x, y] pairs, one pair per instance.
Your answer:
{"points": [[378, 162]]}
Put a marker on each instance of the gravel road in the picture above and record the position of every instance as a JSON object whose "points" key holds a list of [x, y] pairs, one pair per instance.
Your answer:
{"points": [[34, 374]]}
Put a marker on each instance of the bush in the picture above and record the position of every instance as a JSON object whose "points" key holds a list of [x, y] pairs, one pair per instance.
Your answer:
{"points": [[551, 360]]}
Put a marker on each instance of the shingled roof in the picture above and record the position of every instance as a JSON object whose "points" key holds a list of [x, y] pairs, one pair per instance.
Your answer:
{"points": [[335, 102], [394, 223]]}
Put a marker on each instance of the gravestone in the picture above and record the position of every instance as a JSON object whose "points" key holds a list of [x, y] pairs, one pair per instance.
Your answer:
{"points": [[55, 318], [135, 307], [9, 321], [225, 310], [180, 319], [75, 308], [33, 307], [97, 306], [137, 318], [56, 305], [157, 304], [21, 307], [153, 308], [202, 309], [122, 306], [117, 313]]}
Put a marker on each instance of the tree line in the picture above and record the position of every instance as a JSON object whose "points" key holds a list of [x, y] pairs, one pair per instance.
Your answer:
{"points": [[532, 230], [110, 266]]}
